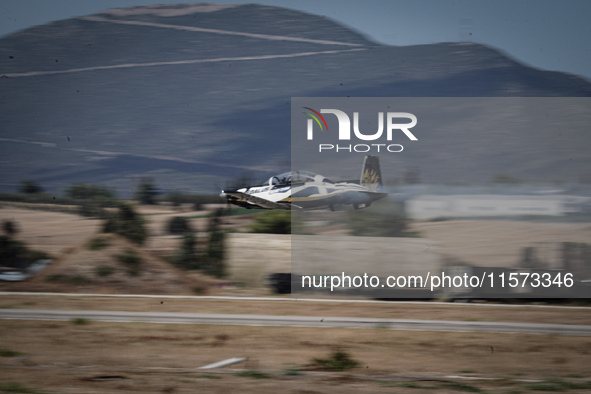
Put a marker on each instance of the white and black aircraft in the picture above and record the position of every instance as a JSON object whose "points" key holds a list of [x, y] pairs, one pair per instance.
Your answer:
{"points": [[306, 190]]}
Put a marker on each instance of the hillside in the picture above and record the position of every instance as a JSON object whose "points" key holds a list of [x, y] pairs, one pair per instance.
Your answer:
{"points": [[193, 94], [110, 264]]}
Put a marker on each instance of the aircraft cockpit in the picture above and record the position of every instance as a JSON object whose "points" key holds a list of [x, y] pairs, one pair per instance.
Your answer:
{"points": [[292, 177]]}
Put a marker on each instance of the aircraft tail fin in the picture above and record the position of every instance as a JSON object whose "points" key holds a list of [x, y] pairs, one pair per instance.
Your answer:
{"points": [[371, 176]]}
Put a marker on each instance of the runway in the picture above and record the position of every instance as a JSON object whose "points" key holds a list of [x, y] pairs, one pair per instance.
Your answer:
{"points": [[298, 321]]}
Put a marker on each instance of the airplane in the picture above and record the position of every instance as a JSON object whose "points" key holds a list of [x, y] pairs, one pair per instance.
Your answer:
{"points": [[303, 190]]}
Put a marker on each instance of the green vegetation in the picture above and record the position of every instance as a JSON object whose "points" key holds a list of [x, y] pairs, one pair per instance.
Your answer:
{"points": [[146, 191], [199, 289], [12, 252], [83, 191], [9, 227], [104, 270], [127, 223], [80, 321], [15, 387], [339, 360], [77, 280], [293, 370], [186, 255], [254, 374], [179, 225], [131, 260], [91, 199], [15, 254], [29, 186], [272, 222], [558, 385], [467, 388], [216, 247], [98, 243], [209, 259], [9, 353], [411, 385]]}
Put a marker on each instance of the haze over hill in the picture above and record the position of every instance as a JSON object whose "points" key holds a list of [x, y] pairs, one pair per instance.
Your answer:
{"points": [[193, 94]]}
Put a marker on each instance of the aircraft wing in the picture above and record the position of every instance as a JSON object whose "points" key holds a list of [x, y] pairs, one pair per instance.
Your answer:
{"points": [[260, 202]]}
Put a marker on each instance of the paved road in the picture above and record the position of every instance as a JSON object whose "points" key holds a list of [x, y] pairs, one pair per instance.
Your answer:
{"points": [[299, 321]]}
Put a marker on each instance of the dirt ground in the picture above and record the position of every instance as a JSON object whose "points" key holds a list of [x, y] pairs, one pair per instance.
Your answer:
{"points": [[93, 357]]}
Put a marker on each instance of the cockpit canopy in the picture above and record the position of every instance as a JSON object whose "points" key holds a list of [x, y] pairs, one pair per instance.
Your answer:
{"points": [[291, 177]]}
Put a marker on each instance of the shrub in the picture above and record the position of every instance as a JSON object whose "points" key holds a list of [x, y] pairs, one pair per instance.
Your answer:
{"points": [[131, 260], [16, 387], [82, 191], [9, 353], [253, 374], [97, 243], [178, 225], [146, 192], [12, 253], [272, 222], [10, 228], [29, 187], [127, 223], [104, 270], [339, 360]]}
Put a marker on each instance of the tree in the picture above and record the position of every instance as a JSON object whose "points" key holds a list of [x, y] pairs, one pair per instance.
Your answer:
{"points": [[186, 256], [146, 192], [29, 186], [91, 199], [127, 223], [82, 191], [9, 227], [12, 253], [216, 247], [178, 225]]}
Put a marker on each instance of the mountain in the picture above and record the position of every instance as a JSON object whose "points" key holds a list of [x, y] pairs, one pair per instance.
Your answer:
{"points": [[194, 94]]}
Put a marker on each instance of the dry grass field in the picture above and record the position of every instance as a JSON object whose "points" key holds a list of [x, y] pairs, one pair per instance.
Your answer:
{"points": [[92, 357], [81, 356]]}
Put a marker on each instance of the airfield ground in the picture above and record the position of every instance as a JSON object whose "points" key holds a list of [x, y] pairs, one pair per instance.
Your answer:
{"points": [[86, 356], [82, 356]]}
